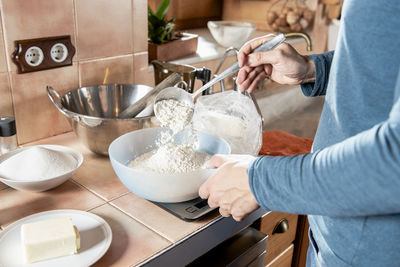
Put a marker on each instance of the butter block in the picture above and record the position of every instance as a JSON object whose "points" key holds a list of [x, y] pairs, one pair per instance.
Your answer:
{"points": [[49, 239]]}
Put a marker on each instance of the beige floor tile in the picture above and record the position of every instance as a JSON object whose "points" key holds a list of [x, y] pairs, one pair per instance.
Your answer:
{"points": [[104, 28], [15, 204], [159, 220], [96, 173], [6, 106], [132, 242], [39, 18], [3, 186], [109, 70], [35, 114]]}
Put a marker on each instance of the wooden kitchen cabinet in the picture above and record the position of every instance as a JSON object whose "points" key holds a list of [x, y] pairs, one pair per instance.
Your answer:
{"points": [[284, 259], [281, 229], [191, 13]]}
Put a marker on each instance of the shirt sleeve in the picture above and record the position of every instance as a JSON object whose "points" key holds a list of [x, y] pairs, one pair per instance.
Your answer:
{"points": [[359, 176], [322, 67]]}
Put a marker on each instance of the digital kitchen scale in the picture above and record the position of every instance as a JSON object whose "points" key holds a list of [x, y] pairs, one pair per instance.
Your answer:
{"points": [[189, 210]]}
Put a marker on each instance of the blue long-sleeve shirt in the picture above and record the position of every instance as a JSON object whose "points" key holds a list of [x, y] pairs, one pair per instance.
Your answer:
{"points": [[350, 183]]}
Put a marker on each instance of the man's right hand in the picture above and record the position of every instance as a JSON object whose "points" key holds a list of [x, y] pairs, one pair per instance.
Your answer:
{"points": [[282, 64]]}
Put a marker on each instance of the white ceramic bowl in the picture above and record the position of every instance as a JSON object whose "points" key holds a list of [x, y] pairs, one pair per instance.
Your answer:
{"points": [[160, 187], [46, 184], [231, 33]]}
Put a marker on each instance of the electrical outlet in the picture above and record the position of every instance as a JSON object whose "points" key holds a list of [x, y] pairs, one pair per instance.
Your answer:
{"points": [[34, 56], [43, 53]]}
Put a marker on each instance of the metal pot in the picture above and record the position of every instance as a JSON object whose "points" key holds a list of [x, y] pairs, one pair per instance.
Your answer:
{"points": [[93, 112]]}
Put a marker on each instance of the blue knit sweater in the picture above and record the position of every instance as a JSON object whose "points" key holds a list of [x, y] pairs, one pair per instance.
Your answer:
{"points": [[350, 184]]}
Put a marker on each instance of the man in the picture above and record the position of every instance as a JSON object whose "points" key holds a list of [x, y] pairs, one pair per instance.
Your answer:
{"points": [[350, 184]]}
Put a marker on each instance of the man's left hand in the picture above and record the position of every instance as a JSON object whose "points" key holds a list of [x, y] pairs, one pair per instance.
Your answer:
{"points": [[229, 187]]}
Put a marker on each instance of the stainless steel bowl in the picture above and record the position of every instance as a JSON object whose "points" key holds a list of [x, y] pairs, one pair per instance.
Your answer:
{"points": [[93, 112]]}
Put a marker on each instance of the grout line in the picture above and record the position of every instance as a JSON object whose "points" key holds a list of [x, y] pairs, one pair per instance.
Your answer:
{"points": [[75, 18], [97, 206], [114, 198], [91, 191], [133, 26], [86, 188], [108, 58], [97, 194], [142, 223], [4, 34]]}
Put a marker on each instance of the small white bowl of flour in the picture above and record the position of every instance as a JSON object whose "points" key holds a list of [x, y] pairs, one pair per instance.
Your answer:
{"points": [[39, 168]]}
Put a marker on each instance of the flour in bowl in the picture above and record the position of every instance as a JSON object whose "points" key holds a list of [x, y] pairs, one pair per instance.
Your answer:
{"points": [[171, 157], [37, 163]]}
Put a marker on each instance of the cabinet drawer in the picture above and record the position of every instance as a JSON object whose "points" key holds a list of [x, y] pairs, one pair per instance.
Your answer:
{"points": [[278, 242], [243, 249], [284, 259]]}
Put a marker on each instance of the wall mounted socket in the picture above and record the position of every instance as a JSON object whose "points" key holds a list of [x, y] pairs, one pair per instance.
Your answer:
{"points": [[43, 53]]}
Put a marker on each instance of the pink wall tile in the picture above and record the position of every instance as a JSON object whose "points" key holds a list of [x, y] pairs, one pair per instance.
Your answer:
{"points": [[36, 19], [110, 70], [6, 107], [132, 242], [104, 28], [3, 62], [139, 25], [35, 115], [142, 75]]}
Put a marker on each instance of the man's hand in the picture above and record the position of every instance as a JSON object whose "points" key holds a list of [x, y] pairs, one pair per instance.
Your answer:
{"points": [[282, 64], [229, 187]]}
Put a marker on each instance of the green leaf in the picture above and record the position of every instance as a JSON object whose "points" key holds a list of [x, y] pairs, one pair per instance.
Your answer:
{"points": [[162, 9], [151, 13]]}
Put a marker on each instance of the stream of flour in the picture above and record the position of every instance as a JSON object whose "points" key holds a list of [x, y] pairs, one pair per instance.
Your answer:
{"points": [[171, 157]]}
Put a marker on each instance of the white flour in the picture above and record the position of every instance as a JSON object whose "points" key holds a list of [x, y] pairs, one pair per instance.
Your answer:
{"points": [[171, 157], [174, 114], [37, 163]]}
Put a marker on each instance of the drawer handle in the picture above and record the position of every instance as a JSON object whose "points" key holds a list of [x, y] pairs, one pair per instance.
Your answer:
{"points": [[281, 227]]}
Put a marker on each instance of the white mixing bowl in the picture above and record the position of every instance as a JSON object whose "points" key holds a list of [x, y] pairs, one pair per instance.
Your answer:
{"points": [[160, 187]]}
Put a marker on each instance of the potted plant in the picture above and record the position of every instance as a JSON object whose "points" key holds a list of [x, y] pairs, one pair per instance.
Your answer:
{"points": [[165, 43]]}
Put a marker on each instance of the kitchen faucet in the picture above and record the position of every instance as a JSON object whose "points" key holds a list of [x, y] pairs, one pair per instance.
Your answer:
{"points": [[303, 35]]}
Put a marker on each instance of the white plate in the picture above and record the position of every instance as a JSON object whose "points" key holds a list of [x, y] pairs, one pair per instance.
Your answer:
{"points": [[95, 240]]}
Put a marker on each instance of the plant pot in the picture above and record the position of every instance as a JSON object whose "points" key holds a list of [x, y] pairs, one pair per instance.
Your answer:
{"points": [[175, 49]]}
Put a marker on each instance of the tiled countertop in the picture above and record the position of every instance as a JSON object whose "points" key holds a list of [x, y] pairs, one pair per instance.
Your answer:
{"points": [[143, 233]]}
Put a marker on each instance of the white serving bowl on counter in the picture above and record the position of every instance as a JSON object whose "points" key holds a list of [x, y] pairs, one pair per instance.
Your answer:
{"points": [[168, 188], [231, 33], [39, 185]]}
